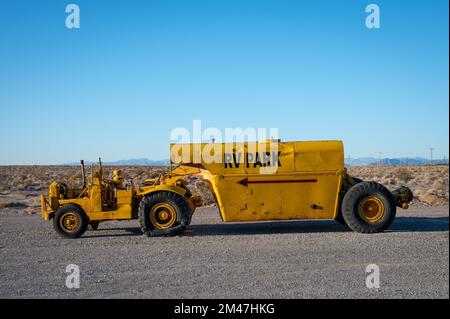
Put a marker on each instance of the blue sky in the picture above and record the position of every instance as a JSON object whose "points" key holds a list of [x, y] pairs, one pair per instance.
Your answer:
{"points": [[135, 70]]}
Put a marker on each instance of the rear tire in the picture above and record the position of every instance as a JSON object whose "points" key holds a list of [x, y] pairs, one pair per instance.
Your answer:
{"points": [[340, 218], [163, 214], [368, 207], [70, 221]]}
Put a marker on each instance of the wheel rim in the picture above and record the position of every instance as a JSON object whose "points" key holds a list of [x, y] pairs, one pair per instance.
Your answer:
{"points": [[371, 209], [163, 215], [69, 222]]}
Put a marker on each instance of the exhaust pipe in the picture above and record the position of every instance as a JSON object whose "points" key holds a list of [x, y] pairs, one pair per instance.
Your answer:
{"points": [[83, 174]]}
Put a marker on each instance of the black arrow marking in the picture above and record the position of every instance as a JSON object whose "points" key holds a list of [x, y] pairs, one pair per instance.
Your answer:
{"points": [[245, 181]]}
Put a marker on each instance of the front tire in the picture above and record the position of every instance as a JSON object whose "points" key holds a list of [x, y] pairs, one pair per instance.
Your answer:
{"points": [[70, 221], [368, 207], [163, 214]]}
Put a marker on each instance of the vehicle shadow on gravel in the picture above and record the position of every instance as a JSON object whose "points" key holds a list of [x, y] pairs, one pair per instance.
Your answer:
{"points": [[419, 224], [251, 228], [265, 228], [129, 231], [401, 224]]}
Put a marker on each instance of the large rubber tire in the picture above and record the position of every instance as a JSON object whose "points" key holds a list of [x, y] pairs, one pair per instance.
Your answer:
{"points": [[356, 196], [179, 204], [340, 218], [77, 214], [357, 180]]}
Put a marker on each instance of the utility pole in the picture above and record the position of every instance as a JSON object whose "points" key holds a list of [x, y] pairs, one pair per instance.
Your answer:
{"points": [[381, 158], [431, 156]]}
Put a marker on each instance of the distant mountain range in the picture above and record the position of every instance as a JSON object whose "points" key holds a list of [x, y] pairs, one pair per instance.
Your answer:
{"points": [[372, 161], [363, 161]]}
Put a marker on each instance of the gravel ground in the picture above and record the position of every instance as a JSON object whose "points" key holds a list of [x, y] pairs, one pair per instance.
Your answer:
{"points": [[297, 259]]}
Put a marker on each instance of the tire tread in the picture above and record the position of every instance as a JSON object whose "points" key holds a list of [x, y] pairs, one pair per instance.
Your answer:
{"points": [[184, 210], [351, 199]]}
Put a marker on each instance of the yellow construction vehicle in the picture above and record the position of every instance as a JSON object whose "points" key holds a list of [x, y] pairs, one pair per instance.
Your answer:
{"points": [[250, 181]]}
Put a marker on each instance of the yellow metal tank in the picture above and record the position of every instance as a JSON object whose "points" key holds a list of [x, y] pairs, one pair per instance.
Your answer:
{"points": [[269, 180]]}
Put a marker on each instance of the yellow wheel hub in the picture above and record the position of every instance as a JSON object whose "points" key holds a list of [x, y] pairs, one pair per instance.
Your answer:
{"points": [[163, 215], [371, 209], [69, 222]]}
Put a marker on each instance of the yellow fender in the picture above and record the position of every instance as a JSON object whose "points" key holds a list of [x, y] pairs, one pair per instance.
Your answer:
{"points": [[145, 190], [194, 201]]}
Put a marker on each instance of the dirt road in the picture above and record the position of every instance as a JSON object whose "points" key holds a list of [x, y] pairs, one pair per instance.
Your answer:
{"points": [[300, 259]]}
